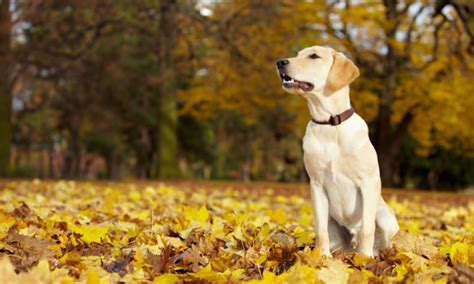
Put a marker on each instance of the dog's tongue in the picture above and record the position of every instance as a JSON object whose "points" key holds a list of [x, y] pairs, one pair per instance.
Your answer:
{"points": [[298, 84], [305, 86]]}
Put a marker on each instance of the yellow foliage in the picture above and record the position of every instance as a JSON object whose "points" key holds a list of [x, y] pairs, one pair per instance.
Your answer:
{"points": [[91, 233], [166, 279], [219, 236], [239, 74], [336, 272], [459, 252], [191, 214], [5, 223]]}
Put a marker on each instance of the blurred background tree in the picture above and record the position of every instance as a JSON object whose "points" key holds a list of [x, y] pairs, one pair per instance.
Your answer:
{"points": [[5, 87], [188, 88]]}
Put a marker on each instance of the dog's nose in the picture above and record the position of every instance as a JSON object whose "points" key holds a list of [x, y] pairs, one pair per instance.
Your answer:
{"points": [[282, 62]]}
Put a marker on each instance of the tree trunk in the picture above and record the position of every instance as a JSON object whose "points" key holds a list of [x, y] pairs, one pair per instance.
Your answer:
{"points": [[41, 170], [112, 164], [5, 88], [72, 159], [51, 173], [383, 143], [246, 167], [433, 179], [218, 165], [167, 133]]}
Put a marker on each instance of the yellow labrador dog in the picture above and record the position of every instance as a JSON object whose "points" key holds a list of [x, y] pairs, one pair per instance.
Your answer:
{"points": [[338, 156]]}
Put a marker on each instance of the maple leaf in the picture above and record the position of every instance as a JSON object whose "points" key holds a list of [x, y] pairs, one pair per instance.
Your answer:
{"points": [[311, 257], [420, 245], [28, 250], [159, 263], [22, 211], [91, 233], [191, 214], [167, 278], [267, 278], [335, 272], [301, 273], [283, 239], [120, 265], [362, 260], [191, 258], [303, 237], [205, 273], [400, 272], [5, 224], [458, 252]]}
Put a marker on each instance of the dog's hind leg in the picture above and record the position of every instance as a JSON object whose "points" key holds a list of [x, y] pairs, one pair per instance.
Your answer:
{"points": [[339, 236], [387, 227]]}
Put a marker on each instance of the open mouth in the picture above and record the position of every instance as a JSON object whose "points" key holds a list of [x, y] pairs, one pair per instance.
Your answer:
{"points": [[291, 83]]}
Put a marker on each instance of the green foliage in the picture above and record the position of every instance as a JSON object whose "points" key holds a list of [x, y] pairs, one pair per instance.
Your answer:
{"points": [[197, 140], [441, 169], [22, 172], [101, 144]]}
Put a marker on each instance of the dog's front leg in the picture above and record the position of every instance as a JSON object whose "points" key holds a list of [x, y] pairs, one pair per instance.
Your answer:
{"points": [[321, 220], [370, 190]]}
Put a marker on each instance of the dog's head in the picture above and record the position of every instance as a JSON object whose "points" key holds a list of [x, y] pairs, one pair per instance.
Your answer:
{"points": [[316, 69]]}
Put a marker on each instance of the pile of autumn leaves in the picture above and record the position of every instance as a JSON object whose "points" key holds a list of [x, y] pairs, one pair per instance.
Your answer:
{"points": [[65, 232]]}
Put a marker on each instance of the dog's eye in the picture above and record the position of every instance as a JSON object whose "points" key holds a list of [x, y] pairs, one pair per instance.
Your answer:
{"points": [[314, 56]]}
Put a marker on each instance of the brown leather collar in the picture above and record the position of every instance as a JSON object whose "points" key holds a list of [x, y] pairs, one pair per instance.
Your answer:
{"points": [[337, 119]]}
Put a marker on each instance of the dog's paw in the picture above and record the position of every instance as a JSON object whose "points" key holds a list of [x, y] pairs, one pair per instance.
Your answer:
{"points": [[368, 252], [354, 242], [376, 252], [325, 252]]}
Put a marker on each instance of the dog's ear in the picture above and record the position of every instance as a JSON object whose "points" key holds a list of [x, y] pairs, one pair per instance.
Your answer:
{"points": [[342, 72]]}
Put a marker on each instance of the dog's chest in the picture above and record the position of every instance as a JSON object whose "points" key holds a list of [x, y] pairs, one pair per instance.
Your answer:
{"points": [[328, 157], [321, 152], [331, 166]]}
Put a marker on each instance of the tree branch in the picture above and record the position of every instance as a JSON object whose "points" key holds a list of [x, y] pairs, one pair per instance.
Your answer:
{"points": [[408, 39]]}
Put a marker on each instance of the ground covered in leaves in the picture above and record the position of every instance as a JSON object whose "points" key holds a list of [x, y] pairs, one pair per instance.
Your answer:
{"points": [[65, 232]]}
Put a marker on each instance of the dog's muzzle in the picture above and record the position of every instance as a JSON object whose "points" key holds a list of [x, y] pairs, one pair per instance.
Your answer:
{"points": [[288, 82]]}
